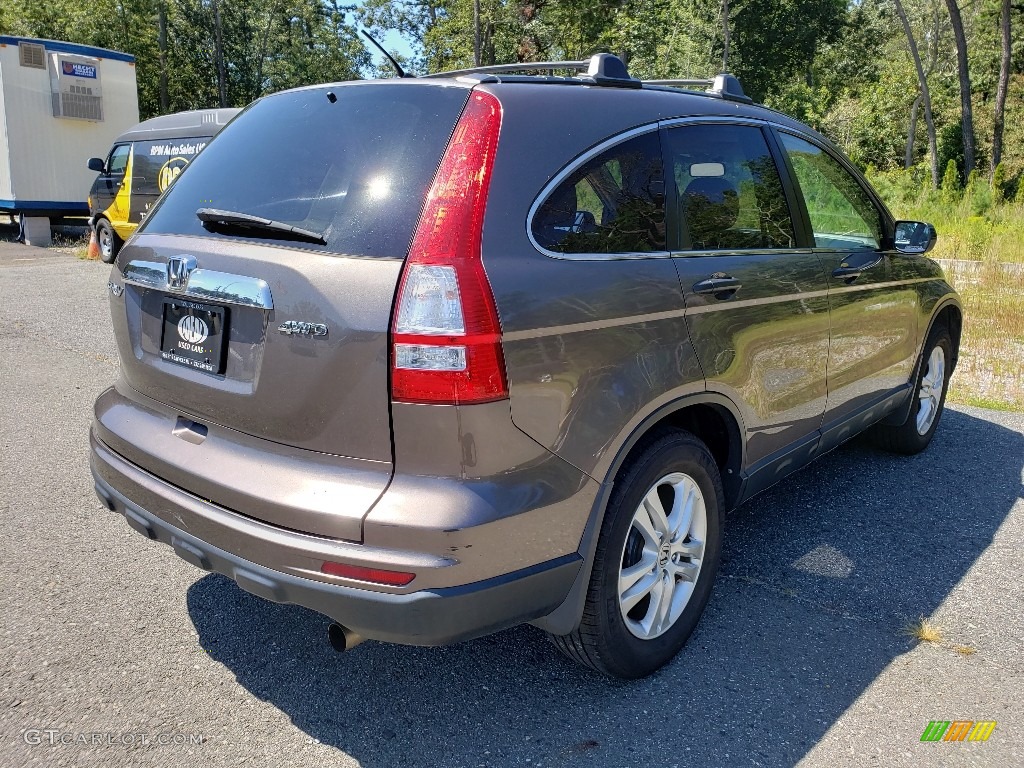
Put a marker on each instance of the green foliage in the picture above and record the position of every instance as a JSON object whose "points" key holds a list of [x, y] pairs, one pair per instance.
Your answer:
{"points": [[804, 102], [951, 148], [875, 137], [999, 184], [951, 183], [265, 47], [901, 187], [979, 196], [842, 67]]}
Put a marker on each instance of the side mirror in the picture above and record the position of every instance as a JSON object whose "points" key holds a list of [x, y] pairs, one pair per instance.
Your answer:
{"points": [[915, 237], [96, 164]]}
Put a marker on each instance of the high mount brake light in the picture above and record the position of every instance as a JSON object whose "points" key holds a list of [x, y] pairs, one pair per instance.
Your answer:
{"points": [[446, 338]]}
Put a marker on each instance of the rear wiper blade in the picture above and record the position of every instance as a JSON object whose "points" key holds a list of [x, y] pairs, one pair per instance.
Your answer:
{"points": [[233, 219]]}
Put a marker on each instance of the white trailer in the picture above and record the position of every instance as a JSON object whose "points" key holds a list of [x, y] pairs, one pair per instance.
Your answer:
{"points": [[60, 104]]}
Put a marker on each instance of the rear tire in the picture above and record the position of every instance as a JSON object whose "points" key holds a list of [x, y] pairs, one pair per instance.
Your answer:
{"points": [[914, 434], [655, 563], [109, 242]]}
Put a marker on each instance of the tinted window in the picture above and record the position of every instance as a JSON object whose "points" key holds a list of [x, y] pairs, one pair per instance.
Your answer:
{"points": [[614, 203], [156, 164], [118, 159], [842, 215], [356, 169], [729, 189]]}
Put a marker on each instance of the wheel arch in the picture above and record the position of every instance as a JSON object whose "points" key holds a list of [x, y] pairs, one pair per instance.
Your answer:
{"points": [[947, 313], [711, 417], [950, 314]]}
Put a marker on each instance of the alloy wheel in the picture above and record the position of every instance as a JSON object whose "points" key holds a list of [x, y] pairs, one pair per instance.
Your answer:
{"points": [[930, 393], [662, 556]]}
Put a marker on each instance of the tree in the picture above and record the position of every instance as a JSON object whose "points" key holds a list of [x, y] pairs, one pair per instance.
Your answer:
{"points": [[963, 71], [924, 96], [1004, 82], [776, 40]]}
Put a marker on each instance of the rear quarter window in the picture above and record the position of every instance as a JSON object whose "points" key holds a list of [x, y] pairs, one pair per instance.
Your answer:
{"points": [[356, 169], [612, 203]]}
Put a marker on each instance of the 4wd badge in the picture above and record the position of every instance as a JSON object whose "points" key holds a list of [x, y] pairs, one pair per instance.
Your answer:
{"points": [[299, 328]]}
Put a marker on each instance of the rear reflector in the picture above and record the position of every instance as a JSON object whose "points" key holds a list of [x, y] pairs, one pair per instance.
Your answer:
{"points": [[446, 338], [373, 575]]}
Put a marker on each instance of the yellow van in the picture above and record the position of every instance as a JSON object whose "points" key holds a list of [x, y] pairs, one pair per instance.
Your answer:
{"points": [[140, 166]]}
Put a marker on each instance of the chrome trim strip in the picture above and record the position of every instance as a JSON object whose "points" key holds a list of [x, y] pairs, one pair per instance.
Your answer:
{"points": [[203, 284], [147, 274], [697, 119], [602, 256], [229, 289], [742, 252]]}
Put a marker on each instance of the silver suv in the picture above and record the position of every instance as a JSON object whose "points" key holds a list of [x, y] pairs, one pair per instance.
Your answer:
{"points": [[438, 356]]}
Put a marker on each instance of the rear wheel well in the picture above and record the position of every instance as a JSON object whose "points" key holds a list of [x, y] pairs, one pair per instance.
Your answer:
{"points": [[713, 425]]}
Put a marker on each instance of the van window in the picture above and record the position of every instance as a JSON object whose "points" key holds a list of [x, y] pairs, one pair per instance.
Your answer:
{"points": [[157, 163], [118, 159], [356, 168]]}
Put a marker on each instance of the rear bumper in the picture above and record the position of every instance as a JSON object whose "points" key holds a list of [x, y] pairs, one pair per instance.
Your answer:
{"points": [[433, 616]]}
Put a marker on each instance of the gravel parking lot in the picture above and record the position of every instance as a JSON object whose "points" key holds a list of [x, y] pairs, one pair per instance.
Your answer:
{"points": [[111, 644]]}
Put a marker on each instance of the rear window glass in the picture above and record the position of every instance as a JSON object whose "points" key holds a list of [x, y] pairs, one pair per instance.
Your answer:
{"points": [[356, 169]]}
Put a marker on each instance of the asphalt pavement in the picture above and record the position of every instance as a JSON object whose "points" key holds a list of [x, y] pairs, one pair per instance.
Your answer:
{"points": [[111, 645]]}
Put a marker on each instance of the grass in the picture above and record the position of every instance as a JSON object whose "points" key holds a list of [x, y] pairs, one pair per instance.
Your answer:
{"points": [[981, 247], [990, 373], [972, 225], [924, 631]]}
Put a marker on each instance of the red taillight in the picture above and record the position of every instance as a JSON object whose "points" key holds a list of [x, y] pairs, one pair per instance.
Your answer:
{"points": [[373, 575], [445, 334]]}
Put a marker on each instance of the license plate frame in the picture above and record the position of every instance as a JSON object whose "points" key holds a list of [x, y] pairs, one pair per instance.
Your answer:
{"points": [[198, 343]]}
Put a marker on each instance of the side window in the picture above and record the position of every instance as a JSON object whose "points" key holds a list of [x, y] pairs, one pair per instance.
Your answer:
{"points": [[614, 203], [842, 215], [158, 163], [118, 159], [729, 189]]}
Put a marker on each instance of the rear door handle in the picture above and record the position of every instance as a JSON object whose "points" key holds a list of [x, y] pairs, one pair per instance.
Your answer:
{"points": [[718, 284]]}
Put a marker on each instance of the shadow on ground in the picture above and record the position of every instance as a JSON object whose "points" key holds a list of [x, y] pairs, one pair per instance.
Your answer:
{"points": [[819, 576]]}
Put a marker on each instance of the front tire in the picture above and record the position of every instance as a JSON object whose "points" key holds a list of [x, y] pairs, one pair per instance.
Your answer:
{"points": [[914, 434], [655, 563], [109, 242]]}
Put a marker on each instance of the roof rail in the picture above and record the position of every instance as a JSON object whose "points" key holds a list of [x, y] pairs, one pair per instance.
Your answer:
{"points": [[528, 66], [724, 86], [680, 83], [608, 70], [600, 69]]}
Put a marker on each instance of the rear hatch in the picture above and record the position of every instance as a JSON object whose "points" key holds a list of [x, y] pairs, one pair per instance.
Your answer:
{"points": [[258, 293]]}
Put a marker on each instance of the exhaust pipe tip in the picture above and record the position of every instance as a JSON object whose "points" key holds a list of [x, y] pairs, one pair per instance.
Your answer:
{"points": [[342, 638]]}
